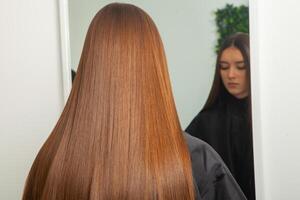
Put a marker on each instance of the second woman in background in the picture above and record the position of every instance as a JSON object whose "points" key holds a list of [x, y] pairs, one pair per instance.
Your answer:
{"points": [[225, 120]]}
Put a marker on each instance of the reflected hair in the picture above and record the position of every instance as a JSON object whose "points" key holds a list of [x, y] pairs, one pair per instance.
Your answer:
{"points": [[118, 136], [218, 91]]}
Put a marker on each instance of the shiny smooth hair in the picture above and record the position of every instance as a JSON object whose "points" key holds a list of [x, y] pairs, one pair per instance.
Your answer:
{"points": [[218, 91], [118, 136]]}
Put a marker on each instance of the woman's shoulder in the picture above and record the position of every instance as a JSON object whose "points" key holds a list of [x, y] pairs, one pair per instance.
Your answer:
{"points": [[205, 121], [203, 152], [211, 112], [213, 178], [218, 107]]}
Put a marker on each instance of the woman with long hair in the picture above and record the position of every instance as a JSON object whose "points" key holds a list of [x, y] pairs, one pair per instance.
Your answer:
{"points": [[225, 120], [119, 136]]}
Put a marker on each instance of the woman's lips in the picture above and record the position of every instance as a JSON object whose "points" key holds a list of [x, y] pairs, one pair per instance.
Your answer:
{"points": [[232, 85]]}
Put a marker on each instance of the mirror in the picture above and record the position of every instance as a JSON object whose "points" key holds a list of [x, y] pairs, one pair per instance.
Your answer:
{"points": [[190, 36]]}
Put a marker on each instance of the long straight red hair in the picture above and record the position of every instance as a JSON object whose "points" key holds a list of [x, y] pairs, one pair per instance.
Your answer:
{"points": [[119, 135]]}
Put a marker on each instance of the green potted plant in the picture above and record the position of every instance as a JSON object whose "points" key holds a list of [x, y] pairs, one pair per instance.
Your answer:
{"points": [[229, 20]]}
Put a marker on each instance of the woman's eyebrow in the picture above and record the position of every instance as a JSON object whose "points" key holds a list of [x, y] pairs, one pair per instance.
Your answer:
{"points": [[223, 62], [240, 62]]}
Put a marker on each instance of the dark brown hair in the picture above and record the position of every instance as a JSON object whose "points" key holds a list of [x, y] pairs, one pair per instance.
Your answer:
{"points": [[118, 136], [218, 90]]}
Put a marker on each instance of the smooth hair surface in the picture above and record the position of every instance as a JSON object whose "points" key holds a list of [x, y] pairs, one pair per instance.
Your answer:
{"points": [[218, 91], [118, 136]]}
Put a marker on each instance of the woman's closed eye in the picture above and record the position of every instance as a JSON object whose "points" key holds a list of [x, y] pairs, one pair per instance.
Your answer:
{"points": [[224, 66], [240, 65]]}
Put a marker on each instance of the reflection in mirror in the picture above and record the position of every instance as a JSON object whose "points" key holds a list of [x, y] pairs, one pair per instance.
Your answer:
{"points": [[225, 120], [216, 84]]}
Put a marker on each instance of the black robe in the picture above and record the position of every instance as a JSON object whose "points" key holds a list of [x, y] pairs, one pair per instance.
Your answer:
{"points": [[227, 128], [213, 180]]}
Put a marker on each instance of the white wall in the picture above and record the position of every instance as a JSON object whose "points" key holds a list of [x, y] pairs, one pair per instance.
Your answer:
{"points": [[31, 88], [189, 35], [276, 97]]}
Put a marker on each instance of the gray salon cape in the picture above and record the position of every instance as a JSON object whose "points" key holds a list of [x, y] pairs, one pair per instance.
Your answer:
{"points": [[213, 180]]}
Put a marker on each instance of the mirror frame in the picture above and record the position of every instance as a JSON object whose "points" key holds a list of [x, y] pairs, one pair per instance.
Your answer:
{"points": [[65, 48]]}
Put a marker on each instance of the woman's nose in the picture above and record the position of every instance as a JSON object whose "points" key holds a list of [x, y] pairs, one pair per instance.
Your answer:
{"points": [[231, 73]]}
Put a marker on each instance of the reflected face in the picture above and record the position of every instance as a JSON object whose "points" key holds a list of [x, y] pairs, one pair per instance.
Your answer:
{"points": [[233, 72]]}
